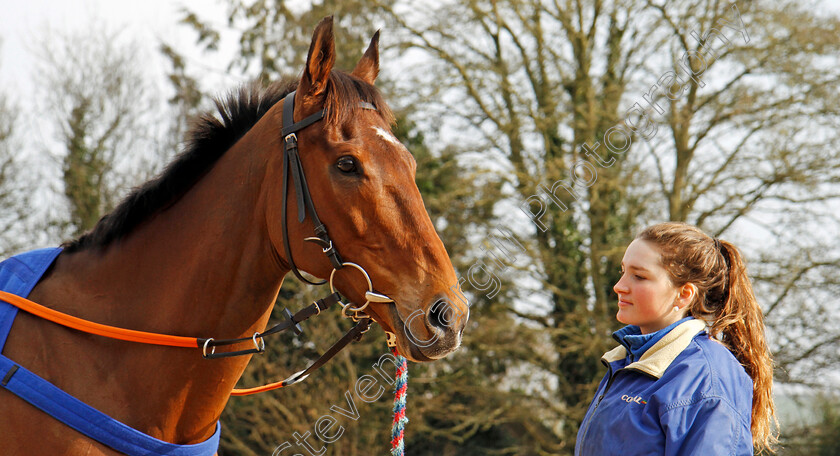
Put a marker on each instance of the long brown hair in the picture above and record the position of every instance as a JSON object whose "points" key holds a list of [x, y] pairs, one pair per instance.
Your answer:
{"points": [[725, 300]]}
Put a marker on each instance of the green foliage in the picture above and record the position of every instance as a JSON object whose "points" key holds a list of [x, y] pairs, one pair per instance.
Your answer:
{"points": [[828, 431], [12, 196], [83, 169], [815, 439], [187, 96], [96, 98]]}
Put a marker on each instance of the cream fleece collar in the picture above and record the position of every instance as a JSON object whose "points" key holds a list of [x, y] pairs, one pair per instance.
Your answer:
{"points": [[657, 358]]}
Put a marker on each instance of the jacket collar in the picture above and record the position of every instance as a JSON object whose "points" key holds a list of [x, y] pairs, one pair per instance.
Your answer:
{"points": [[658, 357]]}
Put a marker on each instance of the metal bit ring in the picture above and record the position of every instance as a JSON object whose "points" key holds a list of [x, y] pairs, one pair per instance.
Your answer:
{"points": [[369, 284]]}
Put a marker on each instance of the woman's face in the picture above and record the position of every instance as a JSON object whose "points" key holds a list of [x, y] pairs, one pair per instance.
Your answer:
{"points": [[646, 296]]}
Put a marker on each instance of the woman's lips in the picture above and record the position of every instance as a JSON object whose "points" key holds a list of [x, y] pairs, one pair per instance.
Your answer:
{"points": [[623, 303]]}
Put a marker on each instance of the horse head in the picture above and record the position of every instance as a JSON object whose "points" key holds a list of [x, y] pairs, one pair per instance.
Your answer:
{"points": [[361, 180]]}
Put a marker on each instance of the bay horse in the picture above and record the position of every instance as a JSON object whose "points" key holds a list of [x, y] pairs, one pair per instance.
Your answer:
{"points": [[198, 251]]}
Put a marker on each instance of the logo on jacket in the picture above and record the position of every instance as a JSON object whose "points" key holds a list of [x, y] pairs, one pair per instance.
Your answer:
{"points": [[632, 399]]}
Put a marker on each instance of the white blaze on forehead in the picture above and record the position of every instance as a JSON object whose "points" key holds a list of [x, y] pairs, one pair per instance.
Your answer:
{"points": [[387, 136]]}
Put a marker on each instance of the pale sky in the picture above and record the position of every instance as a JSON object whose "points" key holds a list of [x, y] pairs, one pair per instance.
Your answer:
{"points": [[147, 21]]}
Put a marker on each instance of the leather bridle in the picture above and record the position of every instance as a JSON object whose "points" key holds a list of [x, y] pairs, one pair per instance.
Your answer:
{"points": [[291, 165]]}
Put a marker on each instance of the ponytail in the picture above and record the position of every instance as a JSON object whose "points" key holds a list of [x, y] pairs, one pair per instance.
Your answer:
{"points": [[739, 324], [725, 300]]}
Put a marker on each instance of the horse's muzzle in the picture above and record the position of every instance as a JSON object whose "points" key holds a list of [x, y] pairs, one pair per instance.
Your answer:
{"points": [[435, 333]]}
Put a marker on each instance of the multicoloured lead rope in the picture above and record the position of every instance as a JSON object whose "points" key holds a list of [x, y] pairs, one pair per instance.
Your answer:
{"points": [[398, 428]]}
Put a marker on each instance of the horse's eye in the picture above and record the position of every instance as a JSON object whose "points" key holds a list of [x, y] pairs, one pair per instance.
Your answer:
{"points": [[346, 164]]}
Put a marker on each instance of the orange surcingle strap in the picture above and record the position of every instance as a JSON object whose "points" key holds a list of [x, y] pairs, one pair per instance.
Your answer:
{"points": [[97, 328], [193, 342]]}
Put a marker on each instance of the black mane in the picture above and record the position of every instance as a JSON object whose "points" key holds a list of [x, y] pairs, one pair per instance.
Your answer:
{"points": [[209, 138]]}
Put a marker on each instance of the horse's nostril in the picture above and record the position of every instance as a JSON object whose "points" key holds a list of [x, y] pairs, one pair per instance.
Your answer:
{"points": [[440, 314]]}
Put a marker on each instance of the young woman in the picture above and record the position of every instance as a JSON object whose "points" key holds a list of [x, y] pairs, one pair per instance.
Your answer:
{"points": [[692, 374]]}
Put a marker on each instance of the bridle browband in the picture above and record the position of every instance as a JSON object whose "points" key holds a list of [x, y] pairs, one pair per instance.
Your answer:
{"points": [[291, 164]]}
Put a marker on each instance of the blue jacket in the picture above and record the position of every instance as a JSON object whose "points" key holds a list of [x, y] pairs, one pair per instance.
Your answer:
{"points": [[687, 395]]}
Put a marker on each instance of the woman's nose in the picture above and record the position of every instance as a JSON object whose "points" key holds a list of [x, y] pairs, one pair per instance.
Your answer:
{"points": [[620, 286]]}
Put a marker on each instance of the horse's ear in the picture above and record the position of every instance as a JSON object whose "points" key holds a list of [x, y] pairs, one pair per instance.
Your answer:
{"points": [[320, 60], [368, 67]]}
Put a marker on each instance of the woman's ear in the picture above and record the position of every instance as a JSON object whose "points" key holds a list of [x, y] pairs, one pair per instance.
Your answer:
{"points": [[686, 295]]}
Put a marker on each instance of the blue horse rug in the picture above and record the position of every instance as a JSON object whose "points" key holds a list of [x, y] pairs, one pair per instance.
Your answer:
{"points": [[19, 275]]}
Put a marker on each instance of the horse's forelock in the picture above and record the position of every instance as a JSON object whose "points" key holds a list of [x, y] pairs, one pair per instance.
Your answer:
{"points": [[344, 96]]}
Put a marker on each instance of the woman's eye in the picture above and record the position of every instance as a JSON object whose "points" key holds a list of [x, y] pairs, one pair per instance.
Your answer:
{"points": [[347, 165]]}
